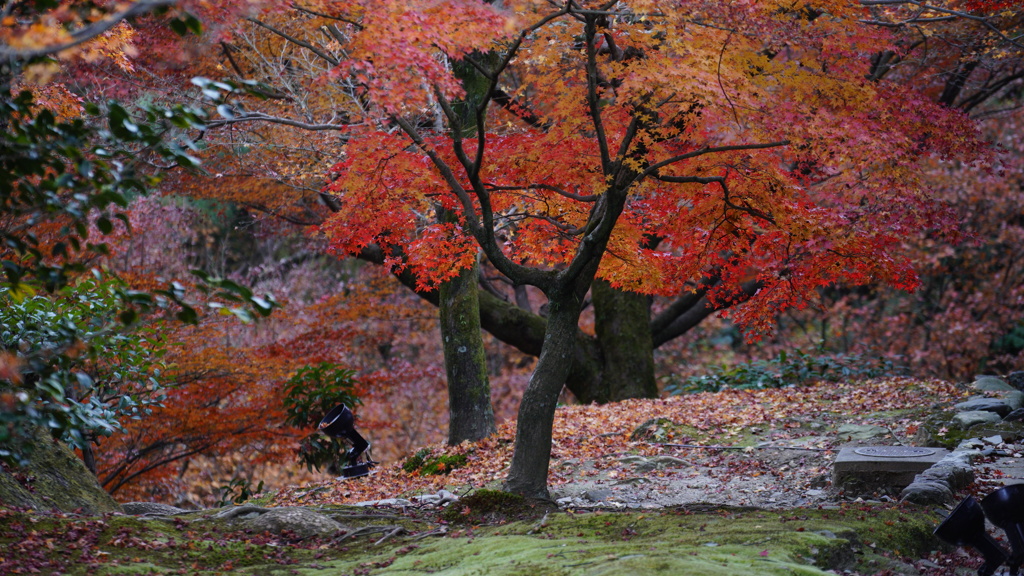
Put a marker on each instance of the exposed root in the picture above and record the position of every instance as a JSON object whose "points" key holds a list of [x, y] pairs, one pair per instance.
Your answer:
{"points": [[239, 511], [395, 532], [390, 532], [438, 532]]}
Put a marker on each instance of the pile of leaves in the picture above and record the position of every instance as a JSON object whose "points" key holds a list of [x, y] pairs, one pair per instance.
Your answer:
{"points": [[601, 432]]}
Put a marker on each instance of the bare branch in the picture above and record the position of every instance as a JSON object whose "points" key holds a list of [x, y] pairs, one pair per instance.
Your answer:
{"points": [[653, 168], [86, 34], [593, 104], [261, 117], [331, 59], [328, 16]]}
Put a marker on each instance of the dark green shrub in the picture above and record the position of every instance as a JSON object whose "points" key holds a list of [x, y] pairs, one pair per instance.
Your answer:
{"points": [[426, 465], [309, 395], [80, 371], [784, 370]]}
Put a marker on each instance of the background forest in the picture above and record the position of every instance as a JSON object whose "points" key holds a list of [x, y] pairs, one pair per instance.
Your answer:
{"points": [[218, 407]]}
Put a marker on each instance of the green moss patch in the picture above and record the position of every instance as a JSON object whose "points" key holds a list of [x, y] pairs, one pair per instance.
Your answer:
{"points": [[426, 464], [494, 507], [711, 541]]}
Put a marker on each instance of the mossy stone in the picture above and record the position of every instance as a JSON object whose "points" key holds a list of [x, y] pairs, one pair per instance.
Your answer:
{"points": [[494, 506]]}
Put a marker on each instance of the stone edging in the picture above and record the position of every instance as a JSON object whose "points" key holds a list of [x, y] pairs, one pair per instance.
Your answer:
{"points": [[938, 484]]}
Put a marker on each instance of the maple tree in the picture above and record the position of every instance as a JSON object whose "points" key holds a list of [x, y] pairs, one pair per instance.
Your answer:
{"points": [[743, 157], [666, 146], [293, 48], [973, 63]]}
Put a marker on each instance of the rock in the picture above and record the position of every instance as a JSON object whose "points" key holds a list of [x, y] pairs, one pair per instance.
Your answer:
{"points": [[659, 462], [150, 509], [1014, 416], [991, 384], [984, 404], [54, 480], [1016, 379], [669, 462], [401, 502], [654, 430], [937, 484], [300, 522], [597, 495], [860, 431], [927, 493], [440, 499], [975, 417], [1014, 399]]}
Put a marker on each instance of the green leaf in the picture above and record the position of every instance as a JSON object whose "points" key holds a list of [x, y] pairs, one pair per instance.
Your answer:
{"points": [[104, 224]]}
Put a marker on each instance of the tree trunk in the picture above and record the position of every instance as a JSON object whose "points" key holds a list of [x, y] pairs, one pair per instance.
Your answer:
{"points": [[528, 474], [471, 416], [623, 327]]}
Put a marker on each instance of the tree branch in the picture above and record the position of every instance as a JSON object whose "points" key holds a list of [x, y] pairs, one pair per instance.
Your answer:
{"points": [[88, 33], [324, 55], [653, 168]]}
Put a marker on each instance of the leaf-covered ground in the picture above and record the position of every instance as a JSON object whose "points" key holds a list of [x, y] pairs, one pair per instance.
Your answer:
{"points": [[592, 446], [783, 442]]}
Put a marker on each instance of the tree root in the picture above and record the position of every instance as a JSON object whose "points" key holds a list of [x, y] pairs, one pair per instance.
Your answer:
{"points": [[438, 532], [239, 511], [394, 532], [391, 531]]}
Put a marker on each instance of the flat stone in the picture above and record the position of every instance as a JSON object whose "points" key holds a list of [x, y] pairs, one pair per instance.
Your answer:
{"points": [[856, 468], [985, 404], [991, 384], [976, 417], [597, 495]]}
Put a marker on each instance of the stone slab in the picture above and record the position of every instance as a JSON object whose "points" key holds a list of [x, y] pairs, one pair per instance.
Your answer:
{"points": [[873, 470]]}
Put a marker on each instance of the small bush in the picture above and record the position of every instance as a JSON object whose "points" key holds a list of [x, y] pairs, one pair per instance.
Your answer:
{"points": [[415, 462], [784, 370], [426, 465]]}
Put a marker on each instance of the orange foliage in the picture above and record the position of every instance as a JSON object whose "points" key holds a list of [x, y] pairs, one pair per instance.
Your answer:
{"points": [[224, 417]]}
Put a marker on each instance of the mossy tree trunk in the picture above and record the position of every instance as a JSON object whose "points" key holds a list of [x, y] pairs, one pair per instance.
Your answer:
{"points": [[531, 459], [471, 416], [623, 329]]}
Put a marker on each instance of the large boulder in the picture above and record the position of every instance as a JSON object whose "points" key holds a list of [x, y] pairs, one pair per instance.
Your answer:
{"points": [[54, 480], [297, 522]]}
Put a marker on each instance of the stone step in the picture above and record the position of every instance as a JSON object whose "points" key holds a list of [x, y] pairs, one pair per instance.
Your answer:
{"points": [[889, 468]]}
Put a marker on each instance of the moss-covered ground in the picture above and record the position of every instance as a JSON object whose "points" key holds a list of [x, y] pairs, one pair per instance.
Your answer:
{"points": [[720, 541]]}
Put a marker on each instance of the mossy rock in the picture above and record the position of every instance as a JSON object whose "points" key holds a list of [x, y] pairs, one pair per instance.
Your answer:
{"points": [[942, 430], [494, 507], [54, 480]]}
